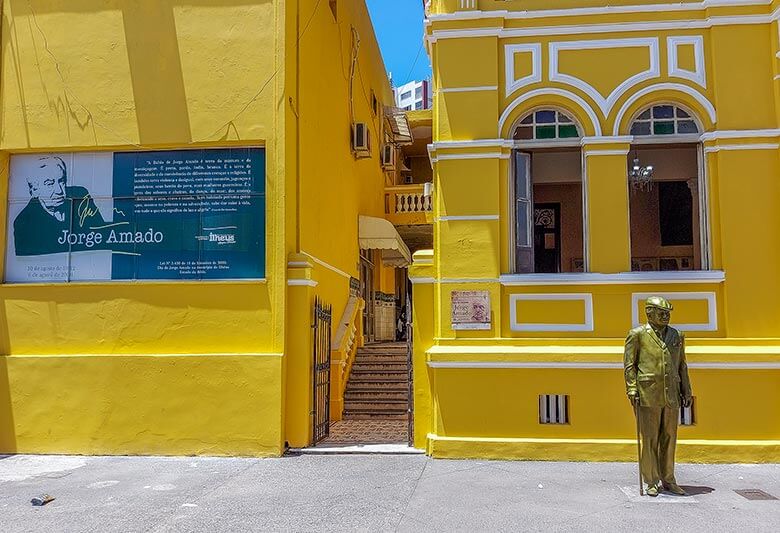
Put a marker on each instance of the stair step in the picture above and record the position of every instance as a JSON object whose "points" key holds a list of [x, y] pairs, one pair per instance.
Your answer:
{"points": [[368, 378], [377, 386], [377, 395], [374, 416], [372, 359], [360, 365], [381, 405]]}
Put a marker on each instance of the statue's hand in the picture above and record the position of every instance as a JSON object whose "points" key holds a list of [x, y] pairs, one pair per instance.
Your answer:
{"points": [[633, 397], [687, 401]]}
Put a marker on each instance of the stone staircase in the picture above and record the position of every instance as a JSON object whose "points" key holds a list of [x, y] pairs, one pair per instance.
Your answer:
{"points": [[378, 386]]}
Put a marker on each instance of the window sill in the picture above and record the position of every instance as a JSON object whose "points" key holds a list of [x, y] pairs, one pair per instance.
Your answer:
{"points": [[624, 278]]}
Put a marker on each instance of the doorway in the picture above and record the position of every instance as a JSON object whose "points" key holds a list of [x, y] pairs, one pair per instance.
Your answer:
{"points": [[547, 238]]}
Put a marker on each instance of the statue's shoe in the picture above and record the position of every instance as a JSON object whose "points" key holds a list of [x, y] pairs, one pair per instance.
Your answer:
{"points": [[652, 490], [674, 488]]}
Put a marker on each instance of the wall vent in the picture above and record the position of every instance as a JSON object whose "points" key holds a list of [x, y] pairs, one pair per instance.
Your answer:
{"points": [[553, 408]]}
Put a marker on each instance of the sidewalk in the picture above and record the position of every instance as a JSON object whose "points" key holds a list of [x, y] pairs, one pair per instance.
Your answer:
{"points": [[371, 493]]}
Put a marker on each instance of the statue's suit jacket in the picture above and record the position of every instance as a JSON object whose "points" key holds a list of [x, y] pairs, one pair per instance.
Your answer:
{"points": [[656, 367]]}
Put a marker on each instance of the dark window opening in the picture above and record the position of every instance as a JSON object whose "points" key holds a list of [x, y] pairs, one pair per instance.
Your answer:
{"points": [[675, 213]]}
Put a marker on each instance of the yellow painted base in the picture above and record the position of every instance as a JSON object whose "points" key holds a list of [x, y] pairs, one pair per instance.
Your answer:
{"points": [[142, 405], [623, 450]]}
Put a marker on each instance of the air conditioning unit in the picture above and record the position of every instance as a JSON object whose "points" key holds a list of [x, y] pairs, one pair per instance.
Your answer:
{"points": [[361, 139], [388, 157]]}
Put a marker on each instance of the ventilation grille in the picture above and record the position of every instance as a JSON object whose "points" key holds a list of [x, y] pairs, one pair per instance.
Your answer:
{"points": [[687, 416], [554, 409]]}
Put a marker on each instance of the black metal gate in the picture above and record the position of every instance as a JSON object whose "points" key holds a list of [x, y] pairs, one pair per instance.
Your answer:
{"points": [[321, 370]]}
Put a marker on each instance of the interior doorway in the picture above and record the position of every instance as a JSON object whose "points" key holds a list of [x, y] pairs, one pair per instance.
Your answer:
{"points": [[547, 205]]}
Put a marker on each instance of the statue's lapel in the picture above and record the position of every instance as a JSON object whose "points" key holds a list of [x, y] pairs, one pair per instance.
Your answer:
{"points": [[655, 337]]}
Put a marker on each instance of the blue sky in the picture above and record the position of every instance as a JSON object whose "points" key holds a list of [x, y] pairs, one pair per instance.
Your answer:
{"points": [[399, 29]]}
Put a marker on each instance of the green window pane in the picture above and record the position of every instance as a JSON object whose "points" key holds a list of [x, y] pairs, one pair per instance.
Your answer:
{"points": [[663, 128], [567, 132], [545, 132]]}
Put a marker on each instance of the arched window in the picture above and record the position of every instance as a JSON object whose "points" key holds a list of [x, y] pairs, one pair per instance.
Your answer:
{"points": [[546, 124], [664, 120]]}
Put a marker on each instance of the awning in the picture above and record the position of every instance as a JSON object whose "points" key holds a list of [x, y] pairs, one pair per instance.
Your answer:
{"points": [[379, 234], [399, 126]]}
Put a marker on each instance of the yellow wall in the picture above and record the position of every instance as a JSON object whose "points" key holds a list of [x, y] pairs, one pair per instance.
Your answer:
{"points": [[479, 384], [211, 367]]}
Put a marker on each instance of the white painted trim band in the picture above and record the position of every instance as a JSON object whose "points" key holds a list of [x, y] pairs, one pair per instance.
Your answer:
{"points": [[302, 283], [516, 325], [586, 11], [468, 217], [629, 278], [709, 297], [593, 366], [738, 147], [739, 134], [420, 281], [486, 155], [468, 89], [589, 153]]}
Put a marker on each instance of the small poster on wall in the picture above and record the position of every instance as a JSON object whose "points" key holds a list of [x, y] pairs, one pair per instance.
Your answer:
{"points": [[471, 310]]}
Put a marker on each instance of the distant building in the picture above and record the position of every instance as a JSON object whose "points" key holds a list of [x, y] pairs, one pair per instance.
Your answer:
{"points": [[414, 96]]}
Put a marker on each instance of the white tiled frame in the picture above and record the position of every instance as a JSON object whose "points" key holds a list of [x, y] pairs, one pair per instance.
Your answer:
{"points": [[606, 104], [585, 298], [709, 297], [513, 84], [699, 76]]}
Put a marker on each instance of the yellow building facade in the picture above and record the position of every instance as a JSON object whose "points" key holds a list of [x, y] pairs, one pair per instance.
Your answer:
{"points": [[586, 155], [149, 362]]}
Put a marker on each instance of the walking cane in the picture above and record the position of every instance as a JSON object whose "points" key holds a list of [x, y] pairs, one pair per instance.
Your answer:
{"points": [[638, 448]]}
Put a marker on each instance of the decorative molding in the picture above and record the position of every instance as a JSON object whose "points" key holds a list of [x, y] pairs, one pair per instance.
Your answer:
{"points": [[589, 29], [696, 95], [452, 281], [606, 104], [468, 217], [420, 281], [468, 89], [618, 139], [302, 282], [513, 83], [486, 155], [742, 365], [734, 147], [551, 91], [739, 134], [589, 153], [623, 278], [709, 297], [699, 76], [587, 300], [586, 11]]}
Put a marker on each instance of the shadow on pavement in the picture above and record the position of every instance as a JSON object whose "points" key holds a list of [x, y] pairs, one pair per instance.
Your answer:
{"points": [[695, 491]]}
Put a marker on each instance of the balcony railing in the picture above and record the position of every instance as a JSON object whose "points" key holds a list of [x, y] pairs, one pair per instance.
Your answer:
{"points": [[408, 204]]}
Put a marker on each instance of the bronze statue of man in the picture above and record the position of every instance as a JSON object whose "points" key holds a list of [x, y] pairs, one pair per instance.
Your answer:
{"points": [[656, 383]]}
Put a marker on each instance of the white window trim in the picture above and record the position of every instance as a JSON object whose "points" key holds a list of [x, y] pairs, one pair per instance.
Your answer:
{"points": [[621, 278]]}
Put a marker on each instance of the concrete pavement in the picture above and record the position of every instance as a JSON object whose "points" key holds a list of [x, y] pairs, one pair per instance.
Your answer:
{"points": [[370, 493]]}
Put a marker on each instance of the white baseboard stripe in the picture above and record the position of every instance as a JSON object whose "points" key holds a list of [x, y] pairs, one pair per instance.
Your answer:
{"points": [[595, 365], [302, 282]]}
